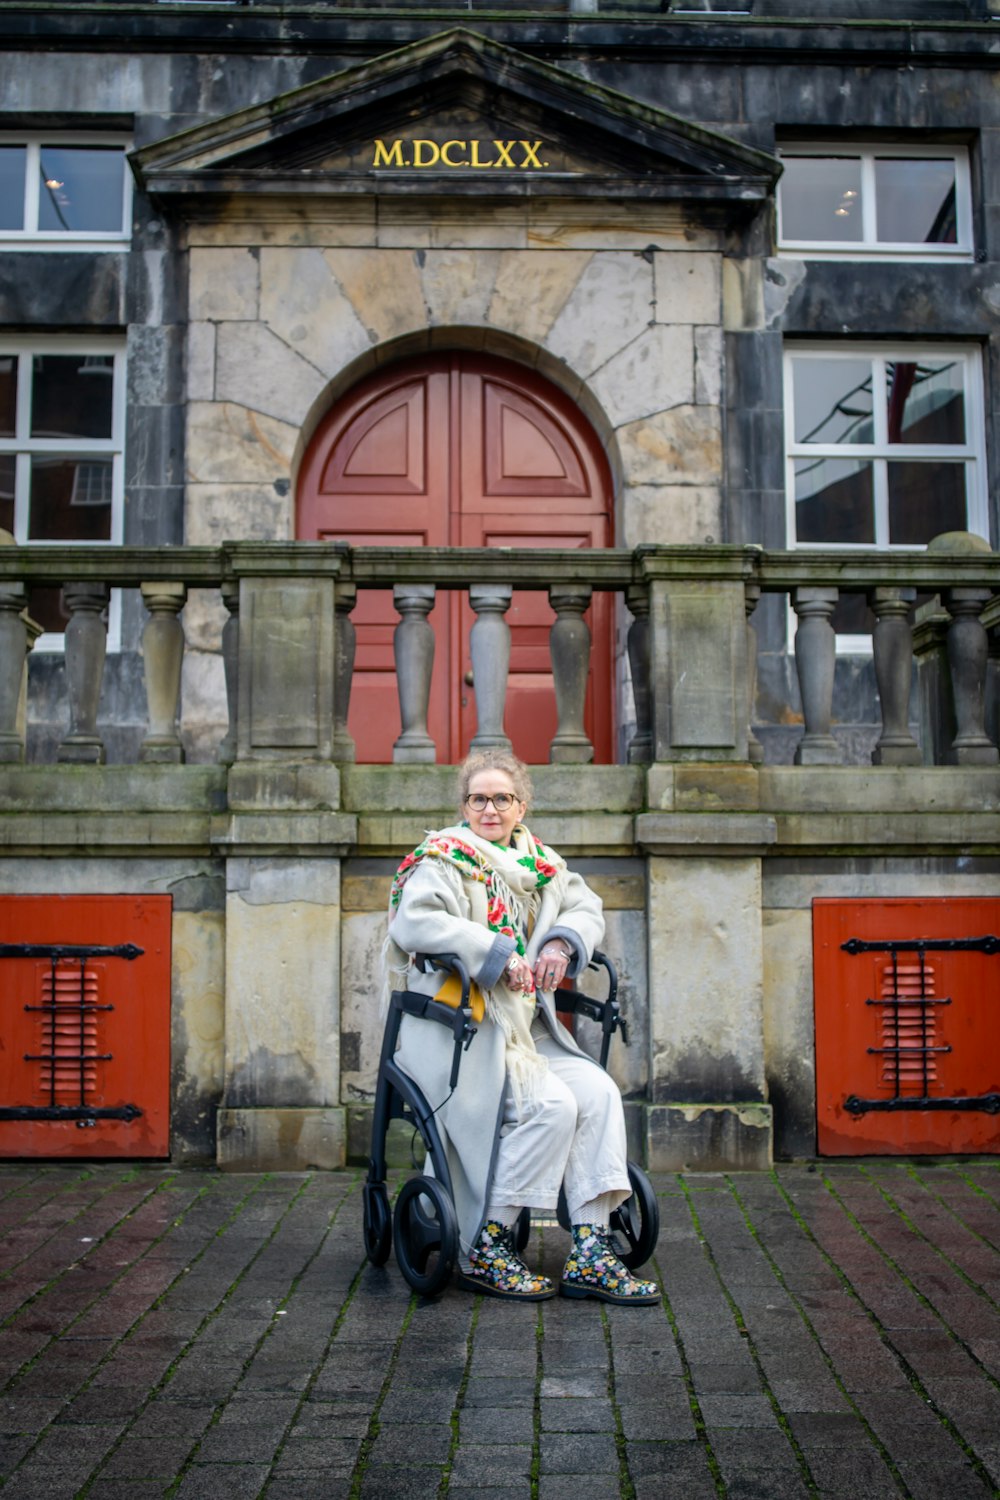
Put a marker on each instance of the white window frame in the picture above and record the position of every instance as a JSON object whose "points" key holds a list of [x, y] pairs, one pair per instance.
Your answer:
{"points": [[30, 237], [868, 247], [971, 453], [24, 447]]}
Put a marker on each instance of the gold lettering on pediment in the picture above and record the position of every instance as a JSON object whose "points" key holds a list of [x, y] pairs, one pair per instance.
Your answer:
{"points": [[478, 155]]}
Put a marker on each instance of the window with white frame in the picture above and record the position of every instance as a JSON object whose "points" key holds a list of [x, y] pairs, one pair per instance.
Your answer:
{"points": [[68, 189], [884, 448], [62, 426], [885, 201]]}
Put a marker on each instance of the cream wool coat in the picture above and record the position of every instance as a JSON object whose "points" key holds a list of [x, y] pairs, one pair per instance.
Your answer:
{"points": [[435, 916]]}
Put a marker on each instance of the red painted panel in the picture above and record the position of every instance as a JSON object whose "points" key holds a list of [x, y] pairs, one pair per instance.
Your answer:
{"points": [[114, 1053], [461, 450], [905, 1027]]}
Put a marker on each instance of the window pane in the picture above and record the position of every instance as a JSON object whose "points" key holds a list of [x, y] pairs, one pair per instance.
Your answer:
{"points": [[924, 500], [7, 462], [71, 395], [8, 395], [926, 402], [70, 500], [833, 400], [821, 198], [834, 500], [12, 187], [81, 188], [915, 201]]}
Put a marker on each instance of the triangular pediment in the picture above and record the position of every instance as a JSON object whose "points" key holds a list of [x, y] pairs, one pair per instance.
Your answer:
{"points": [[456, 115]]}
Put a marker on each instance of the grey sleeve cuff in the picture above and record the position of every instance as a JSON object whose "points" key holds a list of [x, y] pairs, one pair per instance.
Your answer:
{"points": [[495, 962], [580, 957]]}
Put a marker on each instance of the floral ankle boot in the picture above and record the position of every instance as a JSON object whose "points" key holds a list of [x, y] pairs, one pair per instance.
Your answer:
{"points": [[496, 1268], [594, 1270]]}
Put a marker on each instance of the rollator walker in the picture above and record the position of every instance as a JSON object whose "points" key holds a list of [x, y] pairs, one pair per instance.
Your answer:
{"points": [[423, 1227]]}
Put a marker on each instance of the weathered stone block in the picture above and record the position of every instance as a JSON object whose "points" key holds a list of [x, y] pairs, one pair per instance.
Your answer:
{"points": [[223, 284], [671, 514], [306, 308], [678, 446], [281, 1140], [256, 368], [653, 371], [610, 306], [531, 289], [227, 444], [708, 1137], [688, 287]]}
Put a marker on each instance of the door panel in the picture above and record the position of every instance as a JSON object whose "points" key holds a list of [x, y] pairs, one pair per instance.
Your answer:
{"points": [[461, 450]]}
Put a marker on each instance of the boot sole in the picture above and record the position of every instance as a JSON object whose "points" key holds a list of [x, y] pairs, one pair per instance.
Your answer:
{"points": [[647, 1299], [472, 1284]]}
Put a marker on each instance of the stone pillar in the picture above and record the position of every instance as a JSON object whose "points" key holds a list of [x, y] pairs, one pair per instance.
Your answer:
{"points": [[489, 646], [815, 661], [751, 596], [413, 651], [967, 656], [231, 666], [640, 751], [569, 646], [708, 1108], [698, 647], [14, 648], [86, 647], [286, 669], [892, 644], [345, 643], [282, 1051], [163, 657], [935, 706]]}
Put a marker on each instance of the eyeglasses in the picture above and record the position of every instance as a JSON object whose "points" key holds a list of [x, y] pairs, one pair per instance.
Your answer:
{"points": [[503, 802]]}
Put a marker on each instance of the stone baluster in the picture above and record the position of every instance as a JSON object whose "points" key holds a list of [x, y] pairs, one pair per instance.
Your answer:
{"points": [[640, 750], [489, 646], [569, 647], [14, 647], [751, 598], [993, 685], [892, 647], [231, 666], [344, 646], [413, 651], [815, 660], [163, 658], [968, 649], [86, 643]]}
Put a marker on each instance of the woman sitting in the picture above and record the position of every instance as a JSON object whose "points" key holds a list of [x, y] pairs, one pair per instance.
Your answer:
{"points": [[531, 1112]]}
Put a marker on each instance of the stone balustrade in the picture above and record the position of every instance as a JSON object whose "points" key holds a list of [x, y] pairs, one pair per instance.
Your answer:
{"points": [[686, 616]]}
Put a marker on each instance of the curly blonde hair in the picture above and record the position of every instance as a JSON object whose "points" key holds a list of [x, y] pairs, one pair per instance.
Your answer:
{"points": [[494, 760]]}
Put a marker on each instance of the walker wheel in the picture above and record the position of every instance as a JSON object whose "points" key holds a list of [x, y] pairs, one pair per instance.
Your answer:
{"points": [[425, 1235], [378, 1223], [635, 1226]]}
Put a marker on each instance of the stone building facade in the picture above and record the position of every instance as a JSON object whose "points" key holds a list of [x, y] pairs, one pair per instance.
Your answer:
{"points": [[584, 208]]}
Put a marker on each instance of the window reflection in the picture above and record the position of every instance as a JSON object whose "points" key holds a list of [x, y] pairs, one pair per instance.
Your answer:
{"points": [[915, 201], [833, 400], [81, 188], [56, 511], [821, 198], [12, 159], [925, 499], [926, 402], [834, 501], [7, 466], [8, 395], [71, 395]]}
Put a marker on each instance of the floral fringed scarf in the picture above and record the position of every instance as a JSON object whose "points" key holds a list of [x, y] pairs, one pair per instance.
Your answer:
{"points": [[503, 885]]}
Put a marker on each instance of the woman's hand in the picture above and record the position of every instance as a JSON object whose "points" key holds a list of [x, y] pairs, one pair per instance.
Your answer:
{"points": [[552, 963], [519, 976]]}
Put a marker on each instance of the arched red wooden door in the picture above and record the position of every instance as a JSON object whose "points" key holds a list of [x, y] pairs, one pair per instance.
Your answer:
{"points": [[461, 450]]}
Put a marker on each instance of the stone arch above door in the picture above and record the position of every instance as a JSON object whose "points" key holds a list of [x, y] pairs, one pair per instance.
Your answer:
{"points": [[461, 449]]}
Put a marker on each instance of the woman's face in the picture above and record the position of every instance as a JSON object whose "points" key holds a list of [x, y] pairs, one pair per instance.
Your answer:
{"points": [[490, 824]]}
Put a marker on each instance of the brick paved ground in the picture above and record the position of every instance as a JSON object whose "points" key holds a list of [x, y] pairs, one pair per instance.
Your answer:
{"points": [[831, 1331]]}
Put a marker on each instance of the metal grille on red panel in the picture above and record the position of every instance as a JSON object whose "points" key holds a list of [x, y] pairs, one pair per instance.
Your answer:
{"points": [[85, 1026], [907, 1022]]}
